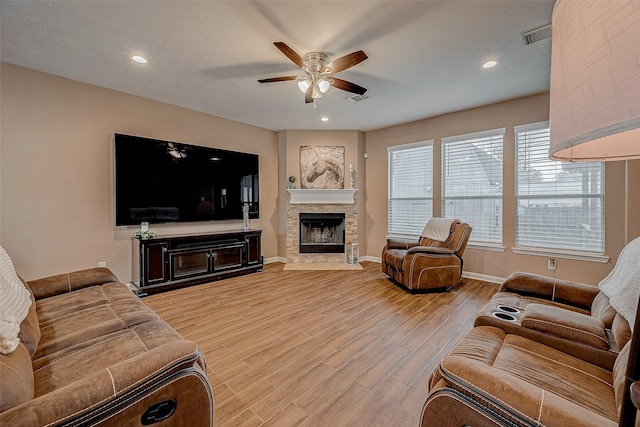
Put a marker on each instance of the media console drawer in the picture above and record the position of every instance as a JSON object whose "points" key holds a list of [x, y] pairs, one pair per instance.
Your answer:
{"points": [[168, 262]]}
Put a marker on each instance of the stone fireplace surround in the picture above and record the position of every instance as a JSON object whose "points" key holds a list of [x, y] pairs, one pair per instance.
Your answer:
{"points": [[324, 201]]}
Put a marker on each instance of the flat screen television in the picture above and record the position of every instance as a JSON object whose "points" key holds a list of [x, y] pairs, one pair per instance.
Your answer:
{"points": [[162, 182]]}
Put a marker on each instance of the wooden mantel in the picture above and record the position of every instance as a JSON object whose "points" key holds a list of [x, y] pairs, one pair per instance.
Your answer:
{"points": [[318, 196]]}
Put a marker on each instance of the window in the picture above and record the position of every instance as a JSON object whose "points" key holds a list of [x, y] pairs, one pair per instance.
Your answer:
{"points": [[410, 187], [472, 183], [560, 205]]}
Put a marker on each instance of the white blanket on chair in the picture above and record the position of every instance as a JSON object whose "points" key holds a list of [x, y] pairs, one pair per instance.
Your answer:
{"points": [[437, 229], [622, 285]]}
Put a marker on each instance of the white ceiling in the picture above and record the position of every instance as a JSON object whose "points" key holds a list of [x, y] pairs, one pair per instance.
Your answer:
{"points": [[424, 56]]}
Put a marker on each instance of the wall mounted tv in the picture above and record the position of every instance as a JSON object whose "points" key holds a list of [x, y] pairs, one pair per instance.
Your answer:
{"points": [[160, 182]]}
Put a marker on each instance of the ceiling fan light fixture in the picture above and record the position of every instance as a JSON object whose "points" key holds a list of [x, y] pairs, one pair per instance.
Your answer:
{"points": [[324, 85], [303, 85]]}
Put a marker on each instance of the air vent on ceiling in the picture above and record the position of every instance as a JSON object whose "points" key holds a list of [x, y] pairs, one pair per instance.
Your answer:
{"points": [[356, 98], [536, 34]]}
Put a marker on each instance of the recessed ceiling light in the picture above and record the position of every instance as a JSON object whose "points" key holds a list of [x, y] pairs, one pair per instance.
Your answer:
{"points": [[139, 59], [490, 64], [325, 119]]}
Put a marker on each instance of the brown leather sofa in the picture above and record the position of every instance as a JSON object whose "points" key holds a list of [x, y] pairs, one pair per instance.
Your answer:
{"points": [[563, 358], [575, 318], [91, 353], [427, 263]]}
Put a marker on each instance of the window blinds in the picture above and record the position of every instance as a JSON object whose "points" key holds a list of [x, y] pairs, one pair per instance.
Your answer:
{"points": [[472, 182], [410, 187], [560, 205]]}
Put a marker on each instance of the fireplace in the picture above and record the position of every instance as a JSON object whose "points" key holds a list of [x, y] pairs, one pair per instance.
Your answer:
{"points": [[320, 202], [321, 232]]}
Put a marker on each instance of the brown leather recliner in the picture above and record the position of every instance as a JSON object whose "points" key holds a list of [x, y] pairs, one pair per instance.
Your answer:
{"points": [[427, 263]]}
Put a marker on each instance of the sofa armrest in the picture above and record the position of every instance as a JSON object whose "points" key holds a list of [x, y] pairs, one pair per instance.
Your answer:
{"points": [[576, 294], [63, 283], [395, 243], [430, 250], [566, 324], [97, 396]]}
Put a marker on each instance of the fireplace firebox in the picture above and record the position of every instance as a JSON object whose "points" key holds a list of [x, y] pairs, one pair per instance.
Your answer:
{"points": [[322, 232]]}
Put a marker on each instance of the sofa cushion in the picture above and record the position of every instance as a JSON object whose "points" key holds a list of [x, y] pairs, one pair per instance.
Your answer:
{"points": [[62, 326], [69, 282], [65, 304], [544, 384], [621, 331], [74, 363], [620, 376], [14, 304], [17, 378], [394, 258], [602, 309], [30, 326], [566, 324]]}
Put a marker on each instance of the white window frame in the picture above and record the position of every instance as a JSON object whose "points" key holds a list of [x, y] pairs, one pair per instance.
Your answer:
{"points": [[566, 253], [497, 246], [393, 231]]}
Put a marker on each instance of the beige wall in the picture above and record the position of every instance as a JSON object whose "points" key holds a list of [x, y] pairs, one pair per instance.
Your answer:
{"points": [[57, 170], [506, 114]]}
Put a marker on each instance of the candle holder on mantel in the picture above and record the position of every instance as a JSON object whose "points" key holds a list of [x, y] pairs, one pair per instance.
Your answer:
{"points": [[352, 174]]}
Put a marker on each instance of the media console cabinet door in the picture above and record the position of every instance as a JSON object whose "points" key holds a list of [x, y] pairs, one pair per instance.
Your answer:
{"points": [[253, 248], [229, 257], [189, 263], [155, 268]]}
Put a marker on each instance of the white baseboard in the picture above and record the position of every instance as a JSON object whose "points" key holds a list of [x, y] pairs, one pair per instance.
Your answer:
{"points": [[371, 258], [483, 277]]}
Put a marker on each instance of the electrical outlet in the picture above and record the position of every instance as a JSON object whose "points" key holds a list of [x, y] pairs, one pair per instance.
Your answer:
{"points": [[102, 263], [551, 264]]}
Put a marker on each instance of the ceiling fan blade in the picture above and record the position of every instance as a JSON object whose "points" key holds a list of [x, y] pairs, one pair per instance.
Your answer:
{"points": [[348, 86], [291, 54], [347, 61], [308, 99], [277, 79]]}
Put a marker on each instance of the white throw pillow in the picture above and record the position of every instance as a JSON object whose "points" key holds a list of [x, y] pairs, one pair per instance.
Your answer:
{"points": [[622, 285], [14, 304]]}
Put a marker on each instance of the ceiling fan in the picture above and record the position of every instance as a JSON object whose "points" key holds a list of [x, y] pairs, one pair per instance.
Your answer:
{"points": [[319, 72]]}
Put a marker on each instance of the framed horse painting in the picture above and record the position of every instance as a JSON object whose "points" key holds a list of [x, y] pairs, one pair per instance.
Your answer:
{"points": [[321, 167]]}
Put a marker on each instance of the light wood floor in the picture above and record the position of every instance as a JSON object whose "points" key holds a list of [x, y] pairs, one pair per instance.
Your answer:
{"points": [[320, 348]]}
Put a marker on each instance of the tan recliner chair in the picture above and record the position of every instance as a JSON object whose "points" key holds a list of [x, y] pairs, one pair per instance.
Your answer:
{"points": [[427, 263]]}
